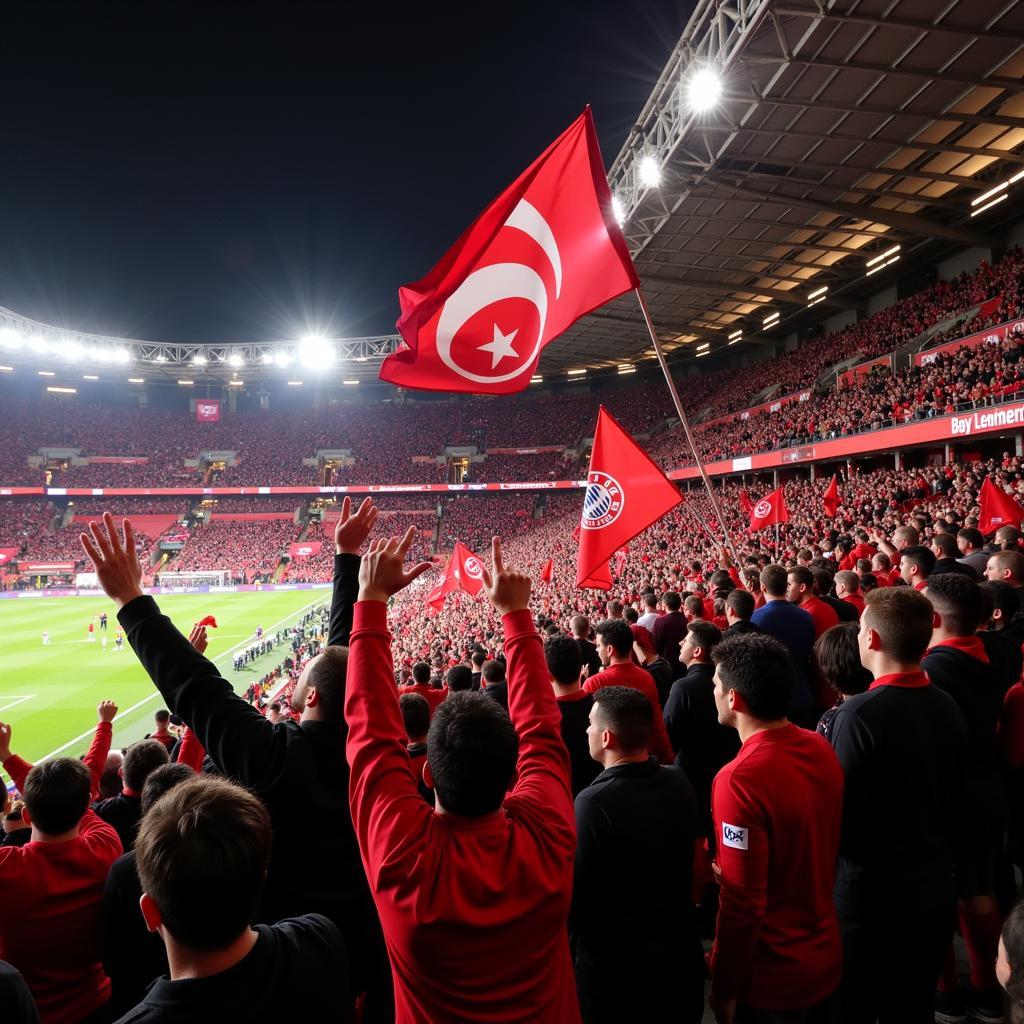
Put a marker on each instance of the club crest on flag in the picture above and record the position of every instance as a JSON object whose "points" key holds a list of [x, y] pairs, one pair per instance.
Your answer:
{"points": [[603, 502], [763, 509], [474, 570]]}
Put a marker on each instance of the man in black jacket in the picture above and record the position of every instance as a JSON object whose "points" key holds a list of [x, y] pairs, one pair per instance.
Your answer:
{"points": [[124, 810], [298, 769], [588, 649], [958, 663], [823, 580], [947, 557], [562, 655], [635, 943], [669, 631], [902, 746], [739, 606]]}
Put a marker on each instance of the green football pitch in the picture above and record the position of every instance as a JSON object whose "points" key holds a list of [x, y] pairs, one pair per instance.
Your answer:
{"points": [[48, 694]]}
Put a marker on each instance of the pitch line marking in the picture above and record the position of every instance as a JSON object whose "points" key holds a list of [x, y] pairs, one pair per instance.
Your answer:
{"points": [[15, 700]]}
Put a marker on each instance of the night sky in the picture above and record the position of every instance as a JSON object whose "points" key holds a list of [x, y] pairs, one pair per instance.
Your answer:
{"points": [[207, 172]]}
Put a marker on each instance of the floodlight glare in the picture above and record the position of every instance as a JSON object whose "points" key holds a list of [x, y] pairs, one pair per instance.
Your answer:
{"points": [[704, 90], [235, 360], [38, 344], [72, 351], [620, 213], [199, 360], [121, 355], [10, 338], [282, 358], [315, 353], [650, 172], [266, 359]]}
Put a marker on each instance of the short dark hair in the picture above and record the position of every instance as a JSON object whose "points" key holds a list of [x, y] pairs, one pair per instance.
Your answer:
{"points": [[421, 673], [759, 669], [493, 671], [957, 598], [946, 543], [617, 633], [803, 576], [614, 607], [773, 580], [202, 854], [972, 537], [459, 677], [706, 635], [924, 558], [477, 658], [415, 714], [630, 614], [823, 579], [564, 658], [140, 759], [162, 717], [651, 601], [472, 749], [694, 605], [1003, 596], [741, 602], [671, 600], [57, 794], [902, 617], [836, 660], [327, 676], [162, 780], [628, 714]]}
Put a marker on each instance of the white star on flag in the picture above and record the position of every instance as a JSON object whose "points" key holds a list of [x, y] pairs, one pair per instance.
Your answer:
{"points": [[501, 347]]}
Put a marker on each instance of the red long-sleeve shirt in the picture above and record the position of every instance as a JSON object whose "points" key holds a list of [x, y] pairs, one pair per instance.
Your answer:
{"points": [[52, 897], [473, 910], [777, 810], [191, 751], [642, 680]]}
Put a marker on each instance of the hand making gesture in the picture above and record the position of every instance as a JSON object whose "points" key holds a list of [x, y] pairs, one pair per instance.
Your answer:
{"points": [[352, 530], [381, 573], [116, 563], [508, 589]]}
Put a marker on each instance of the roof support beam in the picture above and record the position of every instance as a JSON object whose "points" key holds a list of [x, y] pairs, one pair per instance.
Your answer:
{"points": [[909, 222], [688, 268], [792, 298], [789, 226]]}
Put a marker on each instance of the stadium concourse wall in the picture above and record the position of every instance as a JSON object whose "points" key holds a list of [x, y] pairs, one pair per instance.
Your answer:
{"points": [[242, 588]]}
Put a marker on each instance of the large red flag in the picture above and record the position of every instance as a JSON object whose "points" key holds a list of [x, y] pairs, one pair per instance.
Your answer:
{"points": [[626, 492], [746, 505], [832, 497], [769, 510], [463, 571], [547, 571], [997, 508], [547, 251]]}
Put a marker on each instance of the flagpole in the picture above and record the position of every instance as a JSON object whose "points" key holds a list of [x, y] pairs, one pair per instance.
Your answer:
{"points": [[684, 421], [700, 519]]}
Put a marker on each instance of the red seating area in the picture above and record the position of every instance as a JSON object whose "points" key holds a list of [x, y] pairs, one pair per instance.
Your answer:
{"points": [[247, 548]]}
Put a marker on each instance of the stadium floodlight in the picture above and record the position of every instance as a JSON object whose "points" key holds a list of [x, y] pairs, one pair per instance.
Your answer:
{"points": [[236, 383], [10, 338], [63, 391], [282, 359], [122, 356], [990, 204], [160, 359], [185, 383], [295, 383], [735, 336], [618, 210], [46, 373], [6, 369], [235, 359], [89, 376], [650, 172], [266, 359], [704, 90], [136, 380], [577, 373], [351, 382], [315, 353], [704, 347], [625, 368], [536, 379], [199, 360], [72, 351], [771, 320], [38, 344], [882, 260]]}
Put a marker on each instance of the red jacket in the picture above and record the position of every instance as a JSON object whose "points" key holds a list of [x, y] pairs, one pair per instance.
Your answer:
{"points": [[824, 615], [642, 680], [857, 600], [51, 895], [777, 810], [432, 694], [474, 911]]}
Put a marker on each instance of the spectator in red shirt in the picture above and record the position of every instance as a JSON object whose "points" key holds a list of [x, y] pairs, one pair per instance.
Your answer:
{"points": [[800, 591], [51, 889], [916, 564], [474, 895], [416, 719], [848, 589], [777, 814], [614, 646], [162, 718]]}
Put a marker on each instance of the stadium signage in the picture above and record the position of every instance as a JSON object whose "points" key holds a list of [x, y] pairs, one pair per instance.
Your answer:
{"points": [[989, 336], [980, 422], [526, 485], [46, 567]]}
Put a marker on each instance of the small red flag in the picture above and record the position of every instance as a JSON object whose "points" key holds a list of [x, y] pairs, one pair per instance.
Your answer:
{"points": [[769, 510], [626, 493], [546, 572], [463, 571], [745, 503], [207, 620], [997, 508], [832, 497], [547, 251]]}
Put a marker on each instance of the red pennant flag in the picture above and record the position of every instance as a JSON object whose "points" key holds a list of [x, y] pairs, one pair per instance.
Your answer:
{"points": [[769, 510], [463, 571], [832, 497], [207, 620], [547, 571], [997, 508], [626, 493], [547, 251], [745, 503]]}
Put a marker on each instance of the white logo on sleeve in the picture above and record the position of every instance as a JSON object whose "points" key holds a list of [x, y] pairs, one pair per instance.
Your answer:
{"points": [[734, 836]]}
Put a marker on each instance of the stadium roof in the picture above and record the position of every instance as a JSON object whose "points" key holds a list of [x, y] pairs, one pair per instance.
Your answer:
{"points": [[846, 129]]}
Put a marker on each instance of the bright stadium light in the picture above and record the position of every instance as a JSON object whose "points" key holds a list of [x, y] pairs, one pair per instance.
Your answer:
{"points": [[266, 359], [10, 338], [89, 376], [46, 373], [650, 172], [618, 210], [199, 360], [282, 359], [235, 359], [38, 344], [72, 351], [704, 90], [315, 353]]}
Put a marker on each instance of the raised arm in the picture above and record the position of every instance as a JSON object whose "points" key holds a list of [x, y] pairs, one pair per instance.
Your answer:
{"points": [[388, 813], [96, 757], [349, 536], [242, 743]]}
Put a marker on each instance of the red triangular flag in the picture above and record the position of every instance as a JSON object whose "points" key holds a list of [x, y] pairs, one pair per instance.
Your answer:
{"points": [[997, 508], [769, 510], [746, 504], [463, 571], [547, 251], [832, 497], [546, 572], [626, 493], [207, 620]]}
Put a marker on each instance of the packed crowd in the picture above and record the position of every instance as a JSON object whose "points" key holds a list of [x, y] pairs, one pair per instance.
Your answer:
{"points": [[250, 549]]}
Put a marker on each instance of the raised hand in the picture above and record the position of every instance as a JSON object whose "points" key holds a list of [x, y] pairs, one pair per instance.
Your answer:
{"points": [[381, 573], [5, 741], [508, 589], [352, 530], [117, 565], [198, 638], [107, 711]]}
